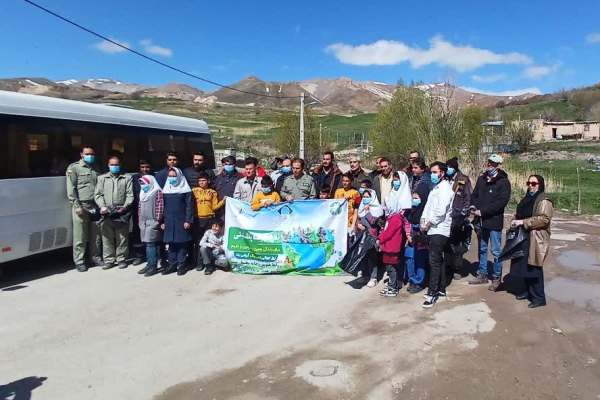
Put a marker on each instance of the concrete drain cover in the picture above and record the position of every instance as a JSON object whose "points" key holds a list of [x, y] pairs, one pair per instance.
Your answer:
{"points": [[330, 374], [326, 370]]}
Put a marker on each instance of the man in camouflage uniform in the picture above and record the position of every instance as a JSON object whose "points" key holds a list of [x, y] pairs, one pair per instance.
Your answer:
{"points": [[298, 186], [81, 183], [114, 196]]}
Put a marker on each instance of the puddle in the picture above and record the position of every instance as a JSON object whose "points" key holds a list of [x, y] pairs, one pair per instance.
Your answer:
{"points": [[582, 294], [579, 260], [569, 237]]}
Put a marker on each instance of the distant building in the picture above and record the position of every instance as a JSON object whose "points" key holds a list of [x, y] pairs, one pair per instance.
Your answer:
{"points": [[561, 130], [495, 139]]}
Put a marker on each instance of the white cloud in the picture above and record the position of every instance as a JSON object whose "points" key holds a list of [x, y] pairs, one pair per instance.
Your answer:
{"points": [[514, 92], [593, 38], [111, 48], [150, 47], [440, 52], [488, 78], [539, 71]]}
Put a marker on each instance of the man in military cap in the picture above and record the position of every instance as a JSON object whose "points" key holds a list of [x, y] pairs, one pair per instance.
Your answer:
{"points": [[81, 183]]}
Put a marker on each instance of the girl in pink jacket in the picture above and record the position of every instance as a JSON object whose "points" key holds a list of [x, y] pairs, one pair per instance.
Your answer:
{"points": [[392, 240]]}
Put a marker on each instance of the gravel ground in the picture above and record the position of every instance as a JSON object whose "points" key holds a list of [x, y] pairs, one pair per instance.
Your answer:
{"points": [[116, 335]]}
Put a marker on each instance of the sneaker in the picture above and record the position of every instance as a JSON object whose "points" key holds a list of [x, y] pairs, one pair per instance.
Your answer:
{"points": [[384, 289], [479, 280], [150, 271], [209, 270], [109, 266], [143, 270], [199, 267], [442, 294], [372, 283], [430, 301], [390, 293], [122, 265], [494, 285]]}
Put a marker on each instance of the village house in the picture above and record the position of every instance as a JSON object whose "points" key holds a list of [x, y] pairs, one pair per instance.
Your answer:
{"points": [[556, 130]]}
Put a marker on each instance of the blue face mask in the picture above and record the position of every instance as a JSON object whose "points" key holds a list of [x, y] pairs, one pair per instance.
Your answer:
{"points": [[114, 169], [172, 181], [89, 158], [396, 184], [451, 171], [229, 168], [286, 170], [435, 179], [267, 190], [491, 171], [362, 190], [416, 202], [366, 201], [145, 188]]}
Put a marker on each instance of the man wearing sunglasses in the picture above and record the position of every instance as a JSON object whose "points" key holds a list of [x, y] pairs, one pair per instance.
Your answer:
{"points": [[489, 199]]}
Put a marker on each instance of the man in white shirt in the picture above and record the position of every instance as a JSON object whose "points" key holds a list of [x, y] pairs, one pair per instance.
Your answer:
{"points": [[436, 221]]}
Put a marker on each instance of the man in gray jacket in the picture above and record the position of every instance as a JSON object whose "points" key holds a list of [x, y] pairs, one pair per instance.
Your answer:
{"points": [[114, 196], [246, 188]]}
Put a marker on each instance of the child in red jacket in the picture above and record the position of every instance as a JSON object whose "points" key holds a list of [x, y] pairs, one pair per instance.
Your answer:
{"points": [[392, 240]]}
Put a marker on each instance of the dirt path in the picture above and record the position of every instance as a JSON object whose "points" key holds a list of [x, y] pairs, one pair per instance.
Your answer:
{"points": [[113, 334]]}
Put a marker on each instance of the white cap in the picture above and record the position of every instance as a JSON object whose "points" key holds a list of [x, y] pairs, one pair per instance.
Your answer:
{"points": [[496, 158]]}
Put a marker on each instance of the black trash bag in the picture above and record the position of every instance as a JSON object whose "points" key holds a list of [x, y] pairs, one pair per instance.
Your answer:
{"points": [[357, 251], [513, 247], [460, 232]]}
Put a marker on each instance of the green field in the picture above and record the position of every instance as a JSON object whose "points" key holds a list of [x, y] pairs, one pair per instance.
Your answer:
{"points": [[563, 173]]}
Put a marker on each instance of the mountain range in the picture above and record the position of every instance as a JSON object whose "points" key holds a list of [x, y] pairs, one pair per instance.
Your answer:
{"points": [[339, 95]]}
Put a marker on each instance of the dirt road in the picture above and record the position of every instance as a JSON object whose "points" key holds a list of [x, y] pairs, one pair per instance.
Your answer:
{"points": [[115, 335]]}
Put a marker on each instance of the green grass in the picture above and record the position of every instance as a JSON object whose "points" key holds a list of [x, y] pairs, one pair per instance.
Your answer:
{"points": [[559, 109], [571, 145], [566, 172]]}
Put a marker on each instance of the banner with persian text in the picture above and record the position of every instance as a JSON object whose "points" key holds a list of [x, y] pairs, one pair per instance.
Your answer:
{"points": [[302, 237]]}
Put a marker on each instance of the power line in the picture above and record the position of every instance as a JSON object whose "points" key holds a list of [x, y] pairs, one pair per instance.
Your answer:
{"points": [[152, 59]]}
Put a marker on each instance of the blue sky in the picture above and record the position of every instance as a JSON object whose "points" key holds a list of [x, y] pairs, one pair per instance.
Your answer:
{"points": [[500, 47]]}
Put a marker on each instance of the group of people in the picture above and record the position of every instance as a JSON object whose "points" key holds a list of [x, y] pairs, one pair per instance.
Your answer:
{"points": [[419, 217]]}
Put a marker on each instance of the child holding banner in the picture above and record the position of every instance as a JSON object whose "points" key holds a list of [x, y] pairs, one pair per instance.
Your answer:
{"points": [[267, 196]]}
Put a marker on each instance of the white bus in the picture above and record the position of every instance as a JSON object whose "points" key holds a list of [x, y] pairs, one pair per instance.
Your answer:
{"points": [[40, 136]]}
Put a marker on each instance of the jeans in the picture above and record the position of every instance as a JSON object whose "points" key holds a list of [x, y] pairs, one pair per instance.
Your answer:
{"points": [[437, 277], [395, 273], [207, 255], [495, 237], [201, 225], [177, 254], [152, 254], [416, 264]]}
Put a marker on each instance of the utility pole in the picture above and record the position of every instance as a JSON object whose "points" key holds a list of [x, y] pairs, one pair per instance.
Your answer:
{"points": [[301, 151], [320, 136]]}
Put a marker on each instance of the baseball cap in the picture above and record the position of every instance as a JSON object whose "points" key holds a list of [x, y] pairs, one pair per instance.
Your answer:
{"points": [[496, 158]]}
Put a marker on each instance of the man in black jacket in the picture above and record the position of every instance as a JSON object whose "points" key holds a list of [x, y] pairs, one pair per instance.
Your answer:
{"points": [[489, 199], [198, 167]]}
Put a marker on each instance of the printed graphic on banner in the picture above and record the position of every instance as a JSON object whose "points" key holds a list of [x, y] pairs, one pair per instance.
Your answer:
{"points": [[306, 237]]}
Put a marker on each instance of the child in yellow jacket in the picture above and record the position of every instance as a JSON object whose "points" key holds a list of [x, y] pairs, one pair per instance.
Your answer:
{"points": [[267, 196]]}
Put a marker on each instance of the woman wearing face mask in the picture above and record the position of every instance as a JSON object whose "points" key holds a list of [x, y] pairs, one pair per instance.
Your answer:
{"points": [[534, 214], [267, 195], [150, 212], [178, 220], [369, 212]]}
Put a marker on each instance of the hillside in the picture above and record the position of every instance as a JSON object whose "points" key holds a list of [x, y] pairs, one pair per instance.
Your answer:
{"points": [[336, 96]]}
